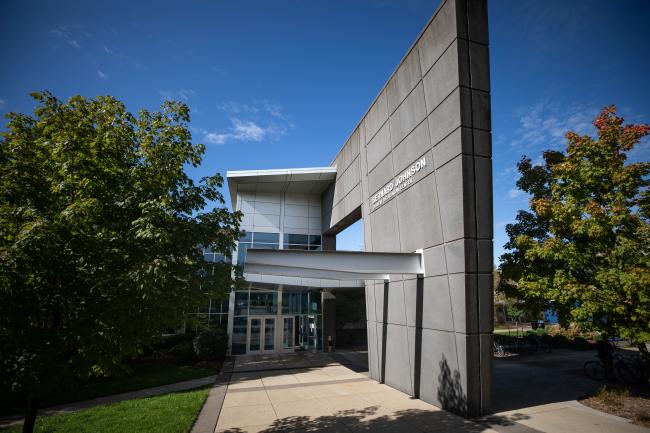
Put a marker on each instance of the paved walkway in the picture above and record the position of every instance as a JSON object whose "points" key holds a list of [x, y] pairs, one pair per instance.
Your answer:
{"points": [[539, 392], [317, 393], [333, 393], [142, 393]]}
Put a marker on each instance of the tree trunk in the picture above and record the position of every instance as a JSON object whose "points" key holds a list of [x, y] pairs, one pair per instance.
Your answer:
{"points": [[30, 413]]}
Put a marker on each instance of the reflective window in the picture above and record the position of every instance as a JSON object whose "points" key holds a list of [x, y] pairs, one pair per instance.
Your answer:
{"points": [[267, 238], [239, 330], [302, 242], [241, 302], [263, 303], [295, 239]]}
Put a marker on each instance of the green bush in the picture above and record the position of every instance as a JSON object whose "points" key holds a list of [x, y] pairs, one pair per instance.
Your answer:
{"points": [[211, 345], [166, 342], [581, 343], [183, 352]]}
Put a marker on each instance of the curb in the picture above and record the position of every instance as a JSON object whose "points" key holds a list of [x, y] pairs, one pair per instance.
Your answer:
{"points": [[206, 421]]}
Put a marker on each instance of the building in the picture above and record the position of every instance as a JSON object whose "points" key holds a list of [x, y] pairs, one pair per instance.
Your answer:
{"points": [[417, 170], [282, 210]]}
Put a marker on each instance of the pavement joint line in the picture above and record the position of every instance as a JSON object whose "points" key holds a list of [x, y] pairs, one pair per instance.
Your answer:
{"points": [[298, 385]]}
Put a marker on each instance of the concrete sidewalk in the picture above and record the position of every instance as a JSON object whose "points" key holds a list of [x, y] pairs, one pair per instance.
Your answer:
{"points": [[115, 398], [316, 393]]}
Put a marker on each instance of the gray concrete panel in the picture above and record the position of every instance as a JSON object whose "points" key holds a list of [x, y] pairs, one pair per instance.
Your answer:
{"points": [[405, 79], [435, 262], [379, 301], [459, 141], [480, 66], [398, 371], [377, 115], [449, 72], [464, 302], [407, 116], [438, 35], [412, 147], [461, 256], [370, 301], [451, 113], [483, 171], [373, 352], [468, 365], [485, 303], [485, 255], [481, 114], [396, 309], [378, 147], [381, 174], [439, 373], [455, 181], [482, 143], [436, 303], [487, 371], [417, 206]]}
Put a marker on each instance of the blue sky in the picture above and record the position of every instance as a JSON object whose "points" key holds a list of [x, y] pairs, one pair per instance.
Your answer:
{"points": [[282, 84]]}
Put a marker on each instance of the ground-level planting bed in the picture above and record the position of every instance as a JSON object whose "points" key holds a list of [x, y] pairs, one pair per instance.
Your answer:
{"points": [[633, 405], [168, 413], [140, 376]]}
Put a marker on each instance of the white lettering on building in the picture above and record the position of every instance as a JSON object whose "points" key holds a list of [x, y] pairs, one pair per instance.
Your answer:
{"points": [[402, 181]]}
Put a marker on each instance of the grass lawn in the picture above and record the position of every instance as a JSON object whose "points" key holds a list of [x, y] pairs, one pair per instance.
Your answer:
{"points": [[168, 413], [142, 376]]}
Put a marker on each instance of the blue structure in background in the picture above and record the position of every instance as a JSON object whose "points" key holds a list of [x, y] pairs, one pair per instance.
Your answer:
{"points": [[550, 316]]}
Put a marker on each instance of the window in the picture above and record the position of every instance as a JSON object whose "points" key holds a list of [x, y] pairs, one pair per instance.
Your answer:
{"points": [[262, 240], [302, 242]]}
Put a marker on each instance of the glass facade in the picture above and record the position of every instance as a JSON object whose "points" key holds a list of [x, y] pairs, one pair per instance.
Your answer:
{"points": [[285, 318], [268, 317]]}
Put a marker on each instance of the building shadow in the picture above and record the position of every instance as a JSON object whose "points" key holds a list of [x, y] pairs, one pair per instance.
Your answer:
{"points": [[525, 381]]}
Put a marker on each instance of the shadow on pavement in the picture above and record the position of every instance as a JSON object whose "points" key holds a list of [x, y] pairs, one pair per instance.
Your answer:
{"points": [[374, 419]]}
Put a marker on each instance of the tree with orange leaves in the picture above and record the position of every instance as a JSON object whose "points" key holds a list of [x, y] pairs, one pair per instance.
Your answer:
{"points": [[584, 245]]}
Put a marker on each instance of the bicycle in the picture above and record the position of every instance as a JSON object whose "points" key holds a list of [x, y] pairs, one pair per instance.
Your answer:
{"points": [[498, 350], [628, 369]]}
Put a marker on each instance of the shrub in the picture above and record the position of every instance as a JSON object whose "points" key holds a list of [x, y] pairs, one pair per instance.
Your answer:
{"points": [[581, 343], [166, 342], [211, 345], [183, 352]]}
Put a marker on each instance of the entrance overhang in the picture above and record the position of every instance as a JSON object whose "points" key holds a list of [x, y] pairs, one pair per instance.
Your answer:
{"points": [[334, 265]]}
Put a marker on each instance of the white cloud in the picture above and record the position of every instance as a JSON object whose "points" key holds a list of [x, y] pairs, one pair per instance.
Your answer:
{"points": [[74, 40], [543, 125], [102, 75], [184, 94], [243, 130], [256, 106], [514, 193], [2, 102]]}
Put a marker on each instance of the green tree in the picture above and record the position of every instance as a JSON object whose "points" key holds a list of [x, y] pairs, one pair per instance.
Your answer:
{"points": [[99, 233], [584, 243]]}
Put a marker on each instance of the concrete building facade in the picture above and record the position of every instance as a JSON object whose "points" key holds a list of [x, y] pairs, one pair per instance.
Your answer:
{"points": [[417, 169]]}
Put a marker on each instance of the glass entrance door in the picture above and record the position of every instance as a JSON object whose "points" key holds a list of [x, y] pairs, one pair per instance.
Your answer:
{"points": [[261, 334], [287, 333]]}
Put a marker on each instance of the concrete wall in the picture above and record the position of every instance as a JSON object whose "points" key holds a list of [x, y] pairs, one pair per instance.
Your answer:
{"points": [[430, 337], [280, 212]]}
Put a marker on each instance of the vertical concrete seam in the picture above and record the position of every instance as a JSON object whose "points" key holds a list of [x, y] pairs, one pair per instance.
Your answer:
{"points": [[476, 258]]}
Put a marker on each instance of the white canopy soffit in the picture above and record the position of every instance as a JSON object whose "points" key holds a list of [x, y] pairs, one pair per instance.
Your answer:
{"points": [[334, 265]]}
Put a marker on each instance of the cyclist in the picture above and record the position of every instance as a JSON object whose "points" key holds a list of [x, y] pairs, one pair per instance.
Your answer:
{"points": [[605, 353]]}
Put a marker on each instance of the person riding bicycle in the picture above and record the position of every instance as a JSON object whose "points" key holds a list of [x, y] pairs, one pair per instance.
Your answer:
{"points": [[605, 353]]}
